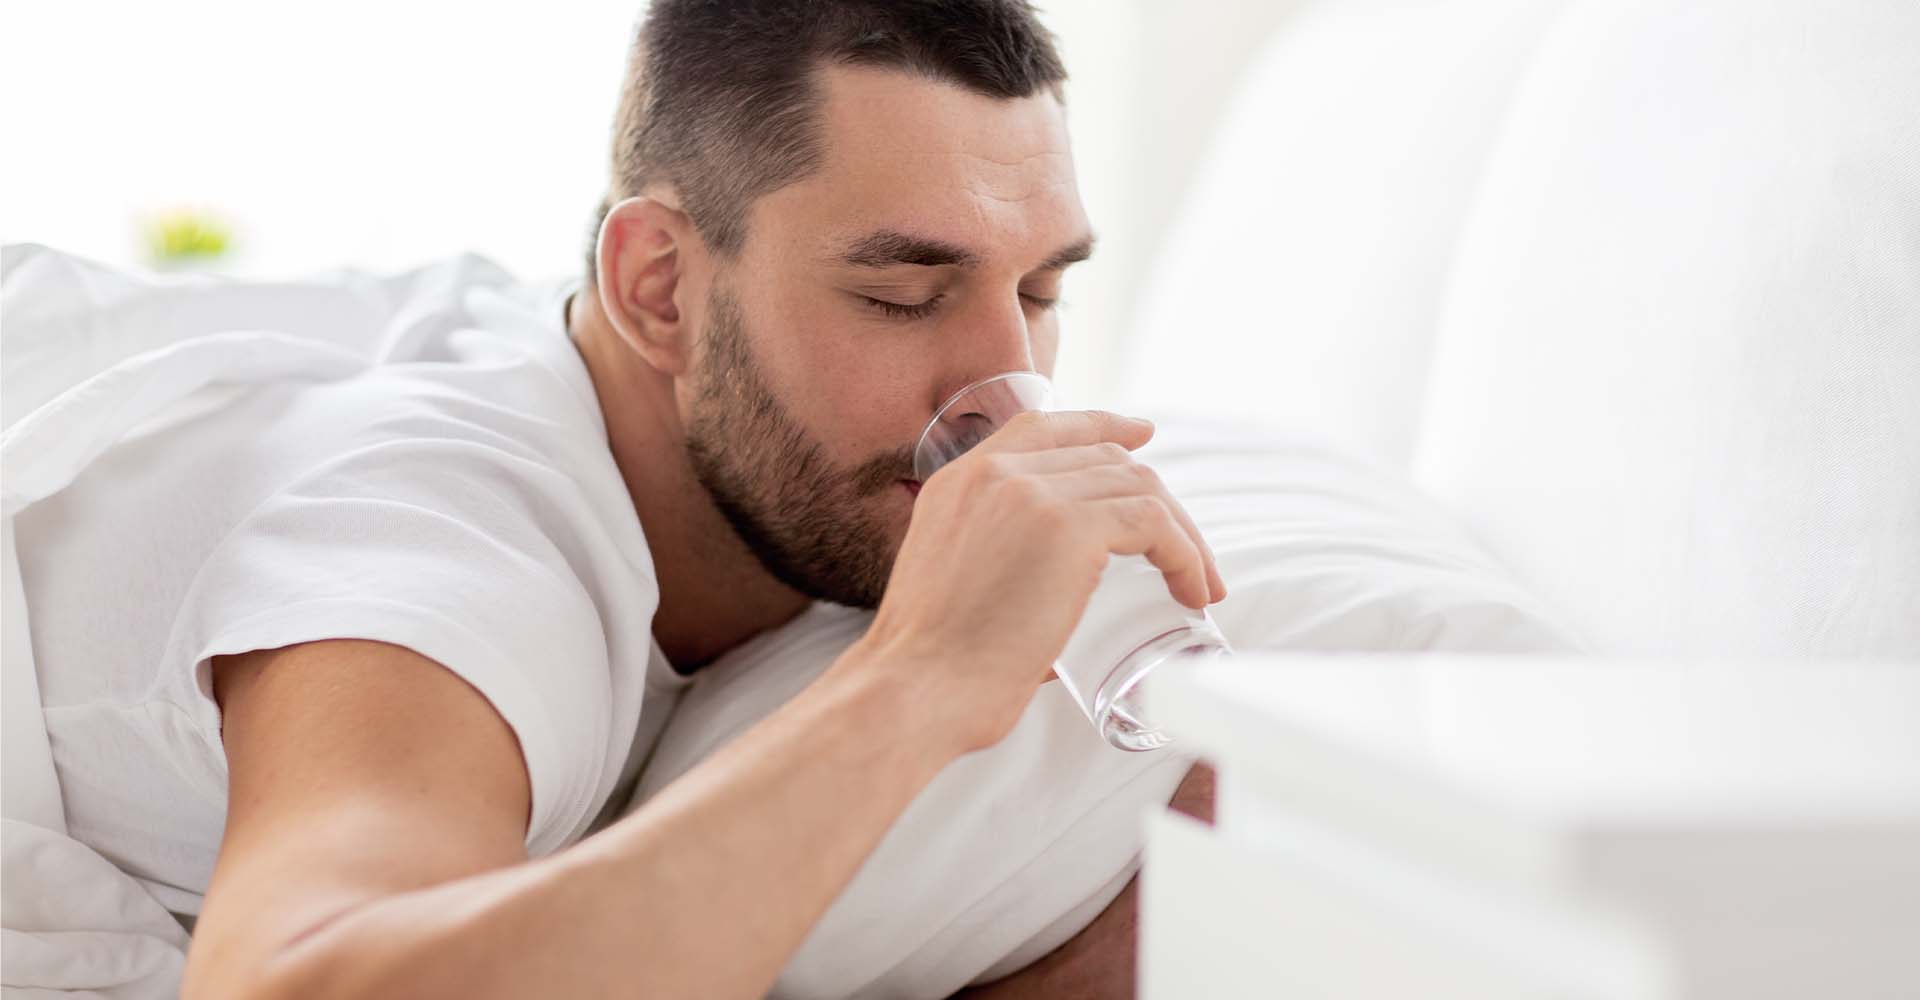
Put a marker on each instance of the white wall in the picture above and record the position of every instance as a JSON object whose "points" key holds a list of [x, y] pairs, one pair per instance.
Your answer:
{"points": [[371, 134]]}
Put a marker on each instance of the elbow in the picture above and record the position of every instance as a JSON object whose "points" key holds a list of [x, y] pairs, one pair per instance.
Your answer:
{"points": [[308, 967], [257, 981]]}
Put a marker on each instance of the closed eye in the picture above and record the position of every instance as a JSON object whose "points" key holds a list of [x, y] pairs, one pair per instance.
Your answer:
{"points": [[921, 310], [905, 310]]}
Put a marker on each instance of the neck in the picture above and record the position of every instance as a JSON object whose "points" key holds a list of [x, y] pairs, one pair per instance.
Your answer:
{"points": [[714, 593]]}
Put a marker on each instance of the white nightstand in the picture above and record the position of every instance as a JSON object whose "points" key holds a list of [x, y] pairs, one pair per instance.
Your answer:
{"points": [[1443, 826]]}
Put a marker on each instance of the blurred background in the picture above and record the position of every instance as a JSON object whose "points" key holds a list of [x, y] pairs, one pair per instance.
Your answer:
{"points": [[229, 136]]}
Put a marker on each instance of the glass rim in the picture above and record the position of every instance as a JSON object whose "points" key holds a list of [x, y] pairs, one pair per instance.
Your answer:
{"points": [[938, 411]]}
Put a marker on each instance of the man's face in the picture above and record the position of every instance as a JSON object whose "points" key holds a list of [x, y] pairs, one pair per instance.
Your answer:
{"points": [[921, 256]]}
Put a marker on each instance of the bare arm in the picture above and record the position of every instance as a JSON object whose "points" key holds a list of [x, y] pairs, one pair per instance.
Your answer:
{"points": [[376, 856], [1099, 962]]}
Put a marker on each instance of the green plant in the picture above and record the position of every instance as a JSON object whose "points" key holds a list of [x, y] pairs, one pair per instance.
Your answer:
{"points": [[186, 235]]}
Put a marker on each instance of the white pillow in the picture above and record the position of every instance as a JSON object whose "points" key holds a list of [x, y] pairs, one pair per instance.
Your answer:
{"points": [[1012, 850], [1678, 383]]}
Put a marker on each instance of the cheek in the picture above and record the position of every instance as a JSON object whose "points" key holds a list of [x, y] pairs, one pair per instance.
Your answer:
{"points": [[855, 390], [863, 380]]}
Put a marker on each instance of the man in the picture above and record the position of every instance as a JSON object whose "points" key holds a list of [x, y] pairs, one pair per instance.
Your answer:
{"points": [[414, 597]]}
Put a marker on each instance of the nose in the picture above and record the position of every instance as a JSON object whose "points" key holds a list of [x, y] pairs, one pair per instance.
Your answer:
{"points": [[993, 342]]}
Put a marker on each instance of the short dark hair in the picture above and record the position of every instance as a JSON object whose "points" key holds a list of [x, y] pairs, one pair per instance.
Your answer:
{"points": [[720, 99]]}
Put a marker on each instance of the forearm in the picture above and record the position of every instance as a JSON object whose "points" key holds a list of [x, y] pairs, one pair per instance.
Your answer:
{"points": [[705, 891]]}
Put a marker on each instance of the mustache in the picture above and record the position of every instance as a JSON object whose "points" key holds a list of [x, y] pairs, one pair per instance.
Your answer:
{"points": [[883, 470]]}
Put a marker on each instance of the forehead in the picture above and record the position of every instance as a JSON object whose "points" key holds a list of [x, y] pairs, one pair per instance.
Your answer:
{"points": [[927, 157]]}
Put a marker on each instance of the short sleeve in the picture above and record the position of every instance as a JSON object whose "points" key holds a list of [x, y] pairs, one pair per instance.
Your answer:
{"points": [[461, 549]]}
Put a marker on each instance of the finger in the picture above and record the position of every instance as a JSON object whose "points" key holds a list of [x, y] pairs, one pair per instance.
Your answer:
{"points": [[1142, 525], [1033, 430], [1114, 479], [1050, 461], [1216, 584]]}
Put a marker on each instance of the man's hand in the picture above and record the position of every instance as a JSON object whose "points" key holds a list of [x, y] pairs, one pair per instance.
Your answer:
{"points": [[1037, 510], [1099, 962]]}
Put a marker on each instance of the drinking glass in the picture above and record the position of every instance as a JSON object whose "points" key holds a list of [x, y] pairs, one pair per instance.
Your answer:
{"points": [[1131, 624]]}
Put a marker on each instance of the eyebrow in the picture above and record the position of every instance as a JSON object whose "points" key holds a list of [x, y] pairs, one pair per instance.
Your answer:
{"points": [[890, 247], [1072, 253]]}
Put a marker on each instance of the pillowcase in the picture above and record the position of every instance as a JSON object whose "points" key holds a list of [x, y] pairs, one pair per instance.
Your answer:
{"points": [[1012, 850], [1324, 549]]}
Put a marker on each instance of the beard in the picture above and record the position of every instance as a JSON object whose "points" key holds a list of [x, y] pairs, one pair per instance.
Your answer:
{"points": [[813, 526]]}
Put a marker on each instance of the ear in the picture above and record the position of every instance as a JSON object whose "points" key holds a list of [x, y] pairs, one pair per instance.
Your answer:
{"points": [[642, 249]]}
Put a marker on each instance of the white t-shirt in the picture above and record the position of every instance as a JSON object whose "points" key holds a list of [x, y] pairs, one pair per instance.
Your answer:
{"points": [[455, 496]]}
